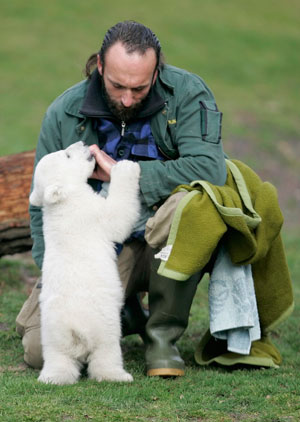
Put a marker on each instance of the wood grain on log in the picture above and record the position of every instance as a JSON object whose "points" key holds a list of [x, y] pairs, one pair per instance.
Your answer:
{"points": [[15, 180]]}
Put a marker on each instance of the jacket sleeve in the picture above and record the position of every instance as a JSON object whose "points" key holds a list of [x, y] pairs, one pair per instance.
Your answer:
{"points": [[49, 141], [197, 139]]}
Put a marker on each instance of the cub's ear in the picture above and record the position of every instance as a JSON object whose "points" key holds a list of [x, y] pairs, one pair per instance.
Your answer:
{"points": [[35, 198], [54, 194]]}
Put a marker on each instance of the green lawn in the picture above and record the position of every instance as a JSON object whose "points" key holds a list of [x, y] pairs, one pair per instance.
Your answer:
{"points": [[248, 53], [212, 394]]}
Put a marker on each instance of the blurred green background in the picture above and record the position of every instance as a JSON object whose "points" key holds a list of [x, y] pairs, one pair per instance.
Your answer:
{"points": [[246, 51]]}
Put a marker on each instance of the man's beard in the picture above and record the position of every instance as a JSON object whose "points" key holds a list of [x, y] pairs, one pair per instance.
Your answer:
{"points": [[122, 113]]}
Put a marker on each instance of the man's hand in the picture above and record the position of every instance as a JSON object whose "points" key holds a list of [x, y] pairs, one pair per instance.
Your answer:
{"points": [[104, 164]]}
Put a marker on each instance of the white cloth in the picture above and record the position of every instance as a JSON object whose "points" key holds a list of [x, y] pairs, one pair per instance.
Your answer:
{"points": [[232, 304]]}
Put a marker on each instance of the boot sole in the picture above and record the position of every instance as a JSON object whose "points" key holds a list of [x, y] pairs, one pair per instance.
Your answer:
{"points": [[165, 372]]}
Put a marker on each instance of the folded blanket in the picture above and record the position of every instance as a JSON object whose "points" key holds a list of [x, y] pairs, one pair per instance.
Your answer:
{"points": [[245, 215], [263, 353]]}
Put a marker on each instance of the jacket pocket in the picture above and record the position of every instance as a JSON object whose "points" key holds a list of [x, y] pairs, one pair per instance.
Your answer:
{"points": [[211, 122]]}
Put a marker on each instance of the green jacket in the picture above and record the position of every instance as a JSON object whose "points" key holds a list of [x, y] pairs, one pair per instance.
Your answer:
{"points": [[187, 130]]}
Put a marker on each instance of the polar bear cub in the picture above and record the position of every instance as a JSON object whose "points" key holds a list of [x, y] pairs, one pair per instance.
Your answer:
{"points": [[81, 295]]}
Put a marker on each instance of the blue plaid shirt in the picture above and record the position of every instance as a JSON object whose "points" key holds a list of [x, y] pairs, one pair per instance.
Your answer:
{"points": [[136, 143]]}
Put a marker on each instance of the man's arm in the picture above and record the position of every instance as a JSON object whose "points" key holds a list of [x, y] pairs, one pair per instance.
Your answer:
{"points": [[49, 141], [197, 139]]}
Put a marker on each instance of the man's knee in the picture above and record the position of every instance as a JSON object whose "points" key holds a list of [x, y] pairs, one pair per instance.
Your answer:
{"points": [[28, 326], [32, 348]]}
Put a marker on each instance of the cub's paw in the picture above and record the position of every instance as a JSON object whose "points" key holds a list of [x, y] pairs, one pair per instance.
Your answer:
{"points": [[58, 379], [61, 374], [111, 375], [126, 168]]}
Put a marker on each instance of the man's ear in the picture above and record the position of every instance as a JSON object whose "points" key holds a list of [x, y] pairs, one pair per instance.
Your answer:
{"points": [[154, 77], [35, 198], [99, 65], [54, 194]]}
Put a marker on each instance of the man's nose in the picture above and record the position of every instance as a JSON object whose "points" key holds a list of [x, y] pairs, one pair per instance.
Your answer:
{"points": [[127, 98]]}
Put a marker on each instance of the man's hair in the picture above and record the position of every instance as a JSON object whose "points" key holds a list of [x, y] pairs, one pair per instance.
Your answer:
{"points": [[135, 37]]}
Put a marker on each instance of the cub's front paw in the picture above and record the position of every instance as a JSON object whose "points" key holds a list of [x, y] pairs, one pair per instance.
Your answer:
{"points": [[126, 168]]}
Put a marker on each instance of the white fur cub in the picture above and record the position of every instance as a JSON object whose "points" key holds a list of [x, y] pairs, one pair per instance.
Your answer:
{"points": [[81, 295]]}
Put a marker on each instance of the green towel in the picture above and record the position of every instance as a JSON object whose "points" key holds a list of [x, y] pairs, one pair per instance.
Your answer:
{"points": [[245, 215]]}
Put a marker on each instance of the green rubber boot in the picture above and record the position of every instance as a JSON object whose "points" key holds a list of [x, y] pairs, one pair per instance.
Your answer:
{"points": [[169, 308], [134, 317]]}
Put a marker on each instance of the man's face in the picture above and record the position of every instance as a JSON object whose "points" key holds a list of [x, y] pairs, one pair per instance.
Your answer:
{"points": [[127, 79]]}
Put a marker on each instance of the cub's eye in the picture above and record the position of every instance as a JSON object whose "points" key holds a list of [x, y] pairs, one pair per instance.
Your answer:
{"points": [[68, 155]]}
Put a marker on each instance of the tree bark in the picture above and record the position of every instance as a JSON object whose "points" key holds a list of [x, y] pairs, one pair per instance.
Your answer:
{"points": [[15, 181]]}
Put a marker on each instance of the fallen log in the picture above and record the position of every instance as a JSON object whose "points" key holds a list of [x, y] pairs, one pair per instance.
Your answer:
{"points": [[15, 180]]}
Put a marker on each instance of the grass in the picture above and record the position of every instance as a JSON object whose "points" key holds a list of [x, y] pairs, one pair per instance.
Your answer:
{"points": [[205, 394], [248, 53]]}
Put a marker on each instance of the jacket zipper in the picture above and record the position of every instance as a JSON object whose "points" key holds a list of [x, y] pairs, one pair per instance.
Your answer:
{"points": [[163, 153], [123, 126]]}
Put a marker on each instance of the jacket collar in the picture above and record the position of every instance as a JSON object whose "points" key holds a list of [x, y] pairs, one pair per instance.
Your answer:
{"points": [[94, 104], [162, 78]]}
